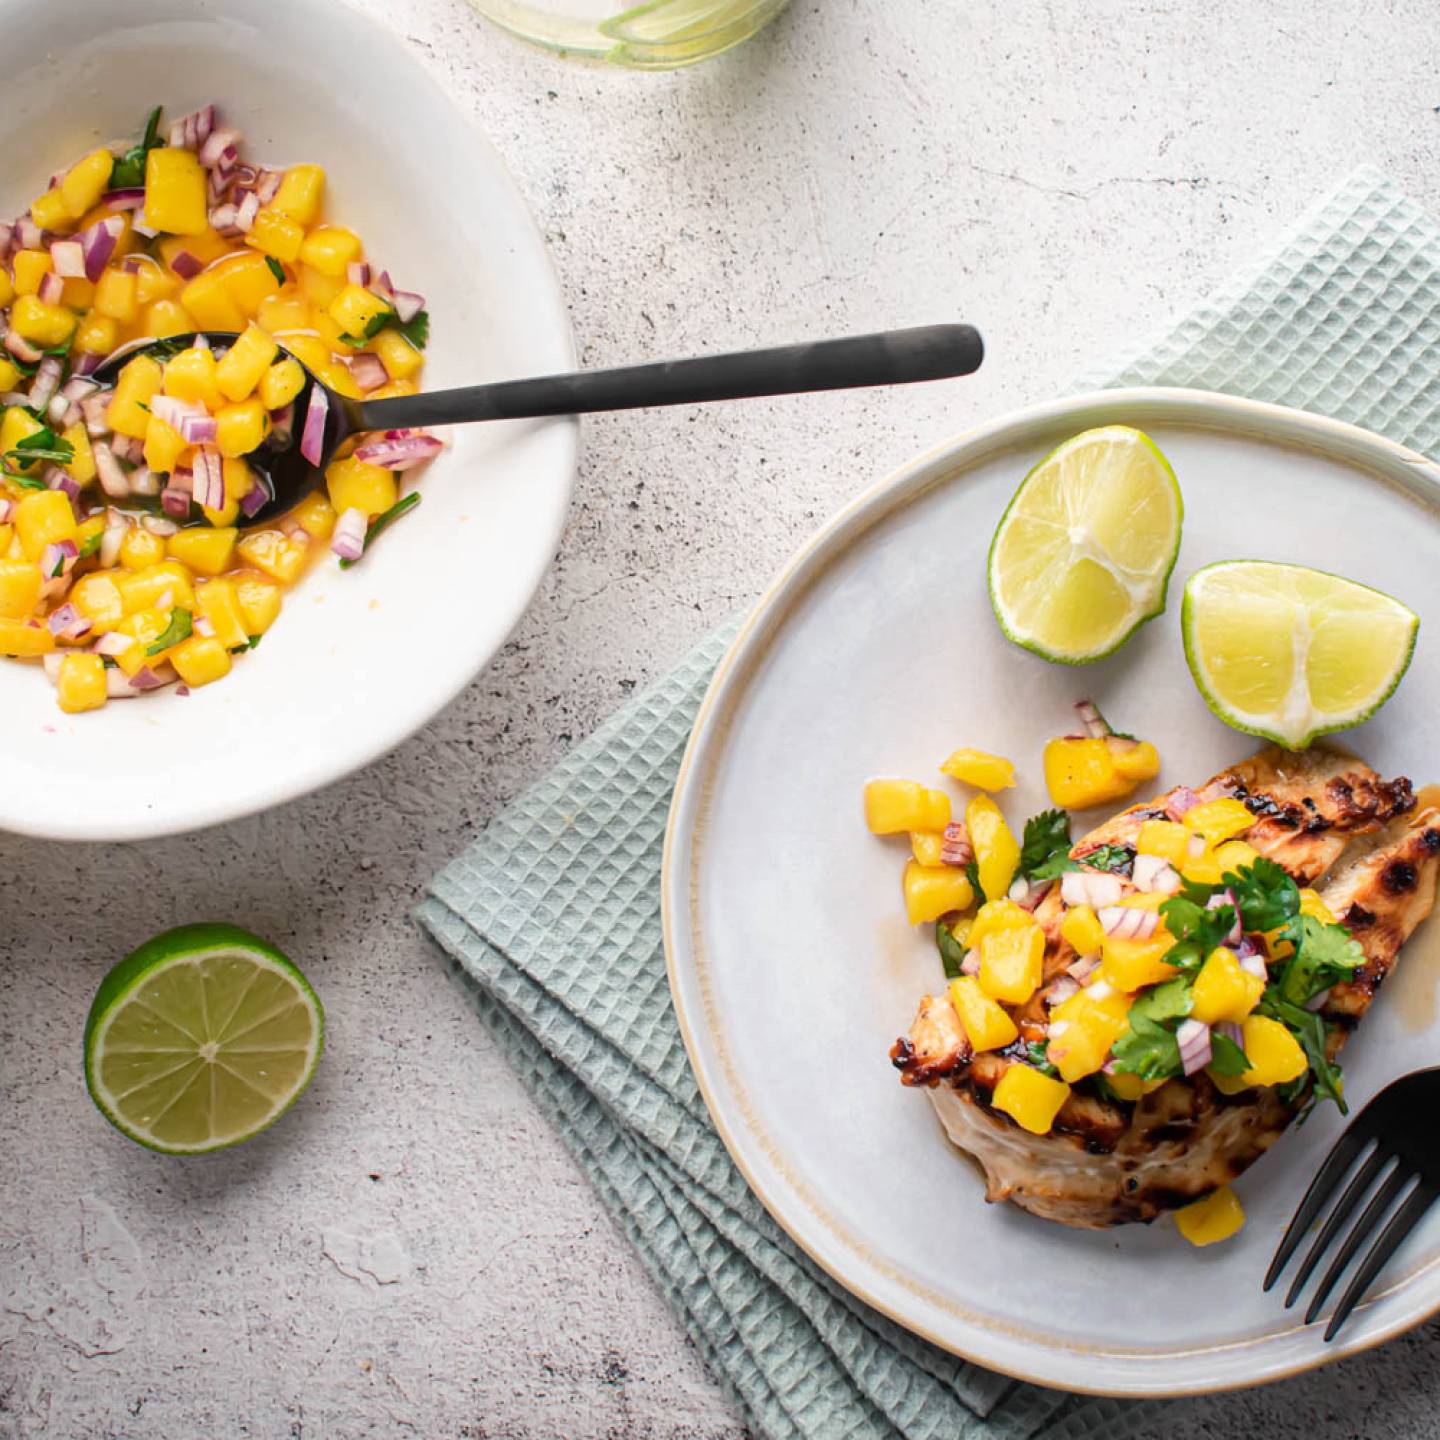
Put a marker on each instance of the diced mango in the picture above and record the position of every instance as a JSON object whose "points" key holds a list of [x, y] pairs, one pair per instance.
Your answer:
{"points": [[259, 601], [219, 603], [892, 807], [96, 334], [1132, 1087], [310, 352], [79, 293], [1223, 990], [128, 412], [1082, 928], [7, 294], [1202, 869], [1274, 1053], [1166, 838], [116, 295], [202, 248], [145, 589], [1031, 1099], [277, 554], [301, 194], [355, 309], [30, 267], [315, 515], [200, 660], [931, 892], [190, 376], [995, 915], [166, 317], [1011, 963], [986, 1024], [1130, 965], [1134, 760], [281, 383], [86, 181], [1311, 904], [330, 249], [44, 325], [204, 549], [925, 845], [208, 299], [1081, 772], [145, 628], [81, 464], [394, 390], [1235, 855], [151, 283], [9, 370], [277, 235], [981, 769], [239, 480], [1083, 1029], [284, 311], [81, 683], [249, 280], [97, 597], [43, 517], [1219, 820], [242, 427], [25, 637], [164, 445], [19, 424], [139, 548], [399, 357], [50, 212], [317, 287], [997, 853], [239, 370], [175, 192], [1217, 1217], [20, 582]]}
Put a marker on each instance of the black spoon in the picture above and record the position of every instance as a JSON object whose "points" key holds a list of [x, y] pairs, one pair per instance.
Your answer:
{"points": [[891, 357]]}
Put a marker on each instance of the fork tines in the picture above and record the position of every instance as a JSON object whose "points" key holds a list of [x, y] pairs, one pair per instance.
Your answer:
{"points": [[1387, 1163]]}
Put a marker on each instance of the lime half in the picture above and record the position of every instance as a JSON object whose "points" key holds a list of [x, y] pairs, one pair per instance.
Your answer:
{"points": [[200, 1039], [1291, 653], [1084, 551]]}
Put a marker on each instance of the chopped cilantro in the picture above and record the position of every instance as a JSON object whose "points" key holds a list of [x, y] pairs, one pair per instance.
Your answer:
{"points": [[128, 172], [25, 482], [91, 545], [1309, 1028], [43, 444], [416, 329], [254, 642], [1226, 1057], [972, 871], [1045, 852], [276, 268], [952, 952], [1323, 955], [1038, 1054], [1118, 859], [177, 630], [1147, 1049], [373, 326], [1268, 897], [1170, 1000], [381, 523], [1197, 931]]}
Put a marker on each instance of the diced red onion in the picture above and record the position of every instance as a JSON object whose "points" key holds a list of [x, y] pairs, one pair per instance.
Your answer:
{"points": [[222, 219], [201, 342], [113, 479], [209, 478], [186, 265], [312, 437], [1180, 800], [58, 479], [146, 679], [14, 397], [67, 623], [400, 454], [7, 509], [87, 362], [51, 290], [970, 963], [21, 348], [1195, 846], [383, 285], [1090, 887], [407, 305], [1254, 964], [1090, 716], [68, 259], [93, 408], [175, 502], [369, 373], [955, 847], [216, 143], [194, 130], [128, 447], [1231, 1031], [99, 243], [113, 644], [199, 430], [110, 543], [1061, 990], [28, 235], [1194, 1039], [1155, 874], [1054, 1030], [282, 424], [58, 558], [348, 539], [255, 499], [1034, 894], [46, 381], [131, 197], [357, 272], [1226, 896], [144, 481], [77, 387], [159, 525], [267, 183], [119, 686], [1083, 968], [7, 234], [172, 410], [1128, 922], [246, 211]]}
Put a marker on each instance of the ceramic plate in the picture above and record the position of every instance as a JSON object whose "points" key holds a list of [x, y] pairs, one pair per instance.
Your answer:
{"points": [[359, 659], [876, 653]]}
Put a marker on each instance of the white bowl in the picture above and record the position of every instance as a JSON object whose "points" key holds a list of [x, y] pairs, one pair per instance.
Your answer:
{"points": [[359, 659]]}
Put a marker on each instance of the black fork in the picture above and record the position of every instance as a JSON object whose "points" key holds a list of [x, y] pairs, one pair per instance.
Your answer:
{"points": [[1397, 1143]]}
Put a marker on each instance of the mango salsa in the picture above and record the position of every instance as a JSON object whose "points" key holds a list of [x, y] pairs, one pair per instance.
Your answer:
{"points": [[1030, 1099]]}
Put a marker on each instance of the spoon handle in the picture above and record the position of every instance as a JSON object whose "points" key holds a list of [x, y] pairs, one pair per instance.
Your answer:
{"points": [[892, 357]]}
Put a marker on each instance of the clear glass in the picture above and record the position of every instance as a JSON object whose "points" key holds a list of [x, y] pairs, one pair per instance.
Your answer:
{"points": [[652, 35]]}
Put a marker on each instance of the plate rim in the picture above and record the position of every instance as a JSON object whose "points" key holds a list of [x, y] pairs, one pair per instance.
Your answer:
{"points": [[1259, 420]]}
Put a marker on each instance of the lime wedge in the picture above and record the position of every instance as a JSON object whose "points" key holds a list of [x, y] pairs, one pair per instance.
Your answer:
{"points": [[200, 1039], [1083, 553], [1291, 653]]}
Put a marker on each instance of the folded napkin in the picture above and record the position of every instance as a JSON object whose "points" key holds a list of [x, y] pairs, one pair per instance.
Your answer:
{"points": [[551, 921]]}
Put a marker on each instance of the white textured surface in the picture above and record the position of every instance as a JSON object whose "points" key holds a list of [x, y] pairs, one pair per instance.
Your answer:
{"points": [[410, 1251]]}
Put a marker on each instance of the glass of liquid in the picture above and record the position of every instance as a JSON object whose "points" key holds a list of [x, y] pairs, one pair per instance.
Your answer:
{"points": [[648, 35]]}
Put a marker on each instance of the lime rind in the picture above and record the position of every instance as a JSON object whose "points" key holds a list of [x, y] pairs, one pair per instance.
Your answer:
{"points": [[1255, 725], [1163, 574], [183, 945]]}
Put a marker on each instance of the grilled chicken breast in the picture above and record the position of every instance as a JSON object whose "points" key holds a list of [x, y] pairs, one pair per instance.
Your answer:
{"points": [[1106, 1162]]}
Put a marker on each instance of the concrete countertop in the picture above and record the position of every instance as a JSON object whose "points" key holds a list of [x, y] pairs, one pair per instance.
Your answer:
{"points": [[411, 1250]]}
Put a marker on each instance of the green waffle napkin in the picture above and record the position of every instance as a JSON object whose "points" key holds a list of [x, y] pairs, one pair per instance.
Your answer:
{"points": [[551, 920]]}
